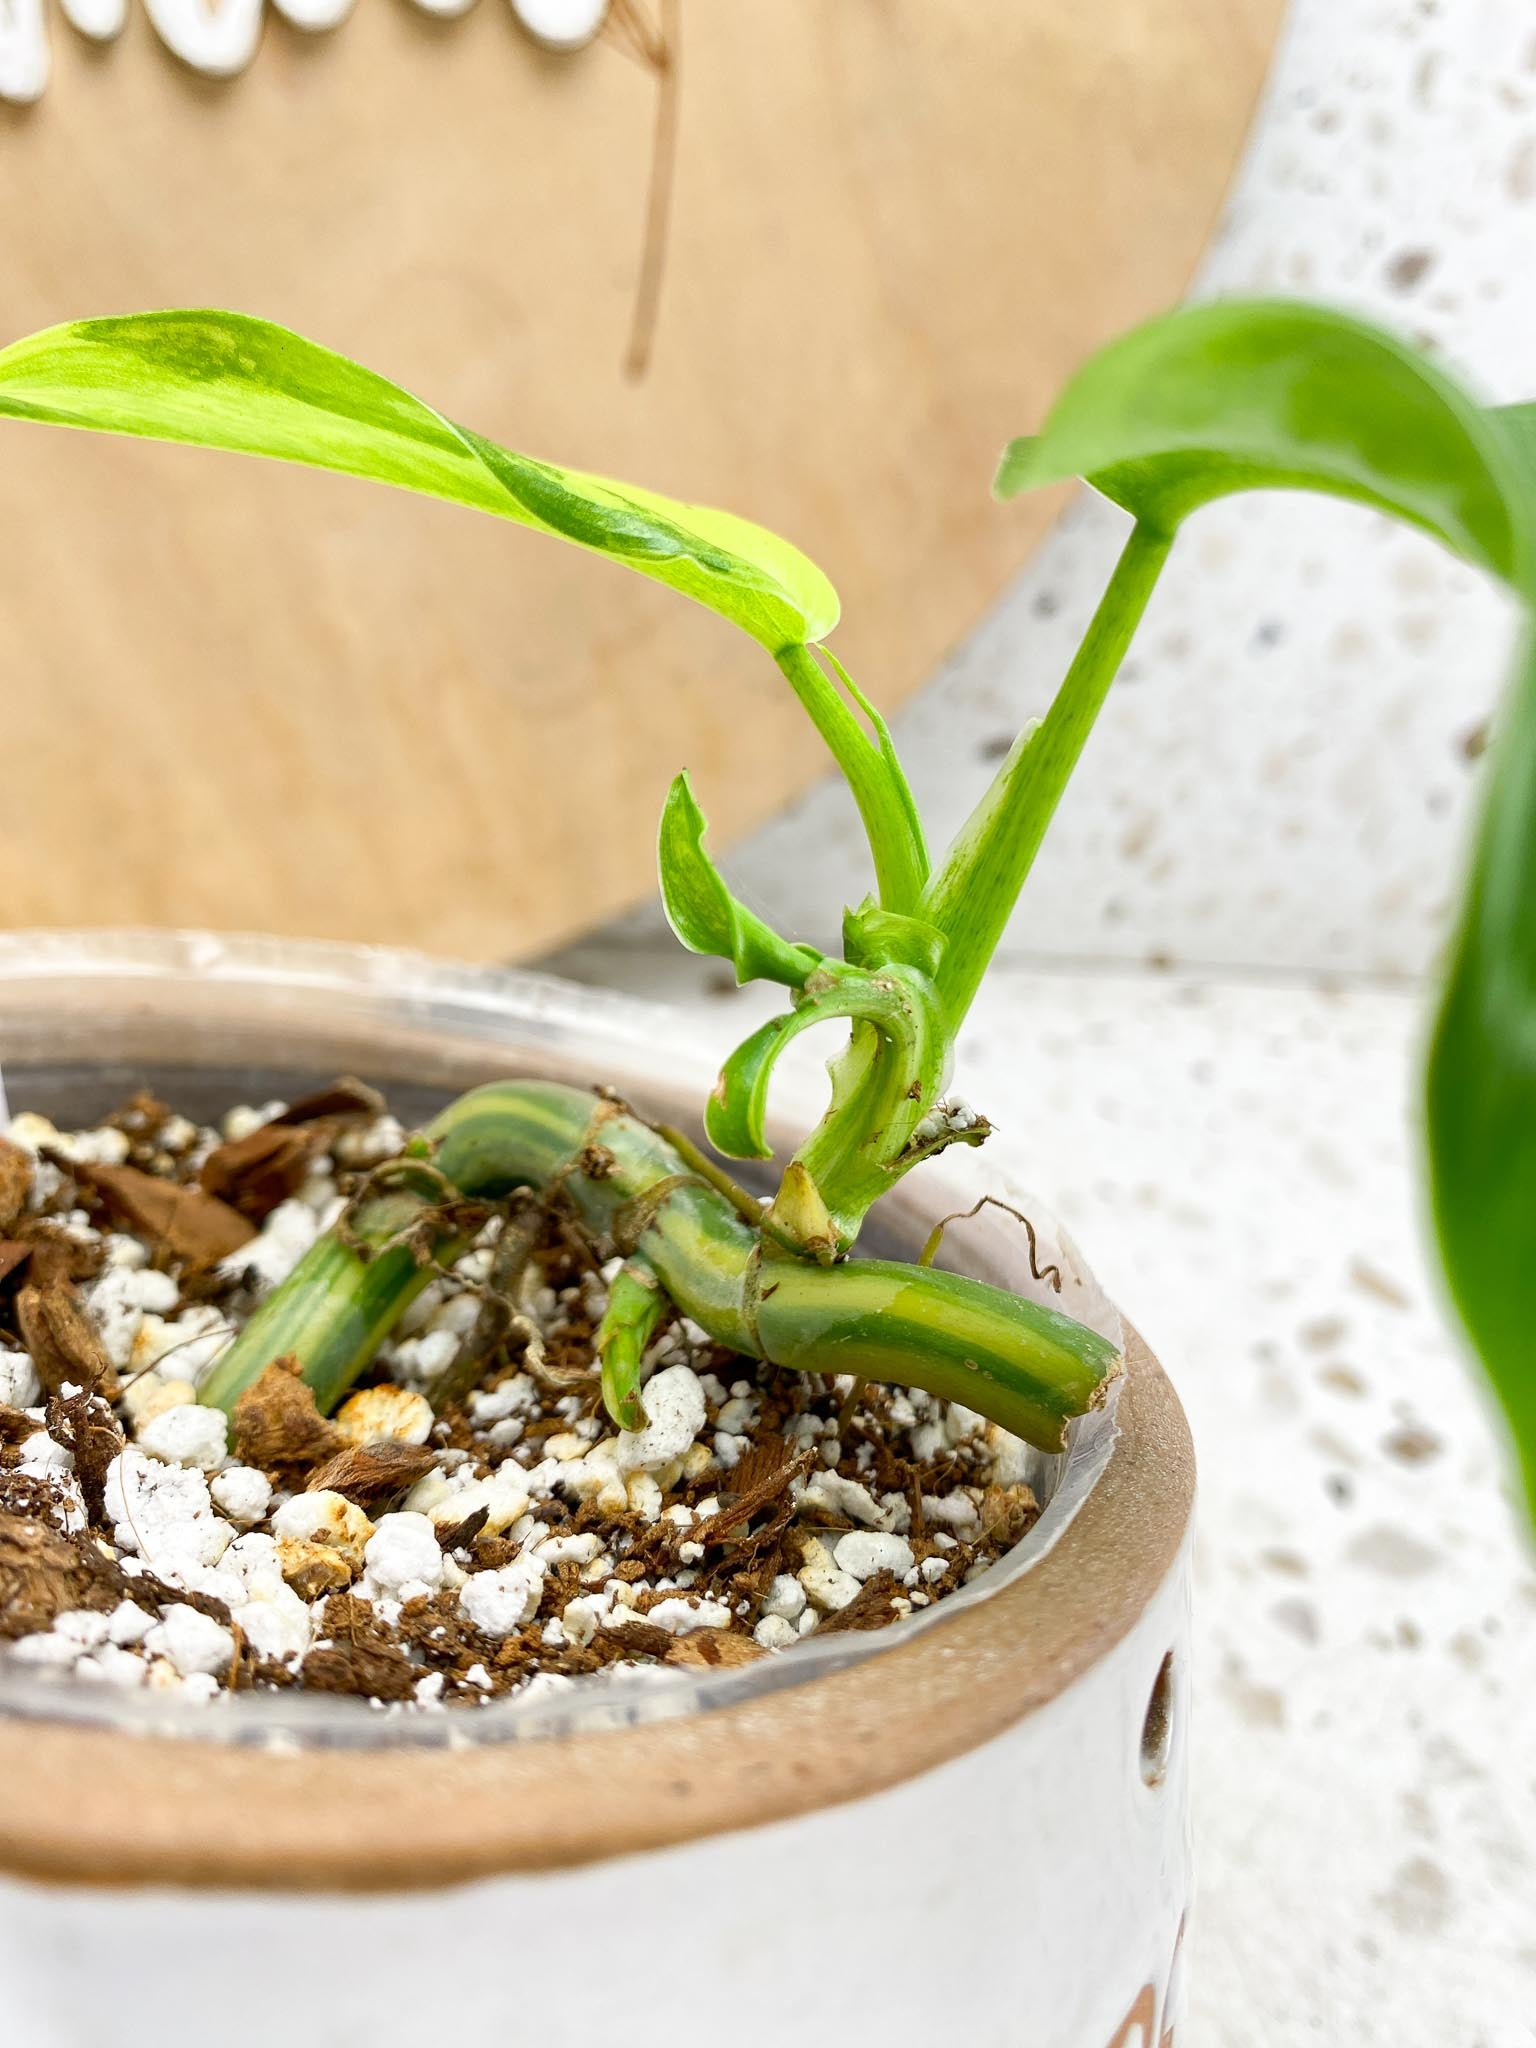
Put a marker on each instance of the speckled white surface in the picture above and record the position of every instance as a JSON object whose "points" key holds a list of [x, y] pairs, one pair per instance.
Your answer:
{"points": [[1235, 1159]]}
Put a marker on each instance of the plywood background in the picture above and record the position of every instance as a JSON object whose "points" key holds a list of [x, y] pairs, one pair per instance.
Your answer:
{"points": [[248, 697]]}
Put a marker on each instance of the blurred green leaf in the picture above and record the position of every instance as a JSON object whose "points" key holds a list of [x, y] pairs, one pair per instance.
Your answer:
{"points": [[224, 380], [1237, 396]]}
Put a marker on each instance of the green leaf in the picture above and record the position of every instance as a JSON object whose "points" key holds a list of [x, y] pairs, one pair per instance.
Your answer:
{"points": [[703, 912], [1482, 1086], [1268, 395], [1482, 1061], [1272, 396], [223, 380], [736, 1113]]}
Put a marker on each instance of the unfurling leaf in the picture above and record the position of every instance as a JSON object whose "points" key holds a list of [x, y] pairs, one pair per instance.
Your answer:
{"points": [[898, 1004], [224, 380], [703, 912]]}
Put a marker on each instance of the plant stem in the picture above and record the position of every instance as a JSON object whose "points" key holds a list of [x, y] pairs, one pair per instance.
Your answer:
{"points": [[1026, 1367], [973, 896]]}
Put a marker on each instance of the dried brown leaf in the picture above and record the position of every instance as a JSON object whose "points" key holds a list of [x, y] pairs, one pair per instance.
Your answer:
{"points": [[254, 1173], [371, 1474], [192, 1226], [345, 1097]]}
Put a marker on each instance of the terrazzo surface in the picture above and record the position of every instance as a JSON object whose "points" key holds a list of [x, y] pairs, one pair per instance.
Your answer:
{"points": [[1236, 1159]]}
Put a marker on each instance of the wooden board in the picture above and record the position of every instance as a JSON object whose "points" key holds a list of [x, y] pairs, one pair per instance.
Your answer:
{"points": [[244, 696]]}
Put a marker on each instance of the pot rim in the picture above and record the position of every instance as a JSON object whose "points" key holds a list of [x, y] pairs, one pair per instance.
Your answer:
{"points": [[193, 1806]]}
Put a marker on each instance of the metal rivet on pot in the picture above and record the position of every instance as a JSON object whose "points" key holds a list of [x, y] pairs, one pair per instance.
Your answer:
{"points": [[1157, 1727]]}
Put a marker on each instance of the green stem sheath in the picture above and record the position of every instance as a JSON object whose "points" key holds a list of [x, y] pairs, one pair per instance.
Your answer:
{"points": [[1025, 1366]]}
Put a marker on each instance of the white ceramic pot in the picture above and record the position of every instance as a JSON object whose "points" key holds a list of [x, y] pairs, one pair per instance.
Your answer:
{"points": [[971, 1826]]}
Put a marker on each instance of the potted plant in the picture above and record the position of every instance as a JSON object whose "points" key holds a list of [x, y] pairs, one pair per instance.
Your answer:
{"points": [[1060, 1691]]}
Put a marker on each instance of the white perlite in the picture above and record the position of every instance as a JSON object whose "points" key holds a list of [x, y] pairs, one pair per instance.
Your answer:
{"points": [[824, 1584], [242, 1493], [192, 1641], [333, 1521], [674, 1415], [862, 1553], [679, 1617], [118, 1303], [188, 1435], [403, 1559], [499, 1602], [838, 1495], [19, 1384], [378, 1413], [164, 1514], [273, 1253]]}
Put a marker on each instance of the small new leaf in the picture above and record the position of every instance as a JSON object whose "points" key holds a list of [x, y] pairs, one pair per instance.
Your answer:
{"points": [[873, 938], [735, 1116], [899, 1005], [703, 912]]}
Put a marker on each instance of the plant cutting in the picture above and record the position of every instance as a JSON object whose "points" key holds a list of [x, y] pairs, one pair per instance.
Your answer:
{"points": [[417, 1412], [1190, 408]]}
